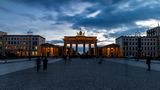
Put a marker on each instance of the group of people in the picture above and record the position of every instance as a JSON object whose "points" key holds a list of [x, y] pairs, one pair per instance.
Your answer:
{"points": [[67, 59], [45, 63]]}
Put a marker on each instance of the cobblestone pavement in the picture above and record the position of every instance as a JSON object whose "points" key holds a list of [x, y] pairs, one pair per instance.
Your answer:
{"points": [[6, 68], [155, 64], [85, 74]]}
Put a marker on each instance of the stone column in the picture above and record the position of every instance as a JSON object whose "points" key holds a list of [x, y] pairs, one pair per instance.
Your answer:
{"points": [[70, 49], [106, 52], [76, 49], [83, 48], [114, 51], [119, 53], [65, 44], [95, 49], [109, 51], [89, 49]]}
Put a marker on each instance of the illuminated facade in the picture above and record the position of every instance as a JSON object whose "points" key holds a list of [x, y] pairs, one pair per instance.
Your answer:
{"points": [[50, 50], [69, 41], [22, 45], [112, 50]]}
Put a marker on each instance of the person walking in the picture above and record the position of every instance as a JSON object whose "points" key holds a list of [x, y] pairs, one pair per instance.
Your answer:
{"points": [[148, 62], [65, 59], [38, 64], [100, 60], [45, 64]]}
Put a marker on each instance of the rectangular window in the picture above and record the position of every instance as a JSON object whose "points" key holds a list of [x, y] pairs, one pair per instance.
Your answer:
{"points": [[11, 42], [35, 43], [14, 42], [123, 48]]}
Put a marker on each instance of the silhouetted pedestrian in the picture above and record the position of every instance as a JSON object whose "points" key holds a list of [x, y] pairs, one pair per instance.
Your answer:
{"points": [[148, 62], [38, 63], [100, 60], [45, 64], [65, 59]]}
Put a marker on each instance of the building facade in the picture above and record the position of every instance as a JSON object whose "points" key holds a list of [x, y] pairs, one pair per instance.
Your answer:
{"points": [[141, 46], [154, 31], [51, 50], [22, 45], [133, 46], [2, 43], [111, 50]]}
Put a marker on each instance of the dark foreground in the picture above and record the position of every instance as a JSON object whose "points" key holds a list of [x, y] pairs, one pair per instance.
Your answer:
{"points": [[83, 75]]}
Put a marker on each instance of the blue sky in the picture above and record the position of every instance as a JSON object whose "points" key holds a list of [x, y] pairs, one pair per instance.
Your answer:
{"points": [[53, 19]]}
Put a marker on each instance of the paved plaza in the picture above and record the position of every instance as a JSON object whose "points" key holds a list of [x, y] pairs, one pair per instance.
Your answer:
{"points": [[83, 74]]}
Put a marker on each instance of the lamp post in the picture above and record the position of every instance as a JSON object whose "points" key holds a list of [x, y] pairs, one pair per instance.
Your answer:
{"points": [[29, 53], [97, 51], [139, 45]]}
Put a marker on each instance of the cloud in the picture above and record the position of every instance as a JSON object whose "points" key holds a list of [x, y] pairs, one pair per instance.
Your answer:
{"points": [[93, 14], [55, 41], [47, 17], [4, 9], [147, 23], [30, 16], [53, 19]]}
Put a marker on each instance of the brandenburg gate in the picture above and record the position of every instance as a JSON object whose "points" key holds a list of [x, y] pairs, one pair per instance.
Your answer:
{"points": [[80, 38]]}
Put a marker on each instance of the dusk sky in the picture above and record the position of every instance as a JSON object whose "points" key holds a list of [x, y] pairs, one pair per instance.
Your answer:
{"points": [[54, 19]]}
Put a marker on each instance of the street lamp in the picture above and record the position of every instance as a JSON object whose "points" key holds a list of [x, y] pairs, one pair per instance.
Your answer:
{"points": [[30, 33], [29, 53], [139, 45]]}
